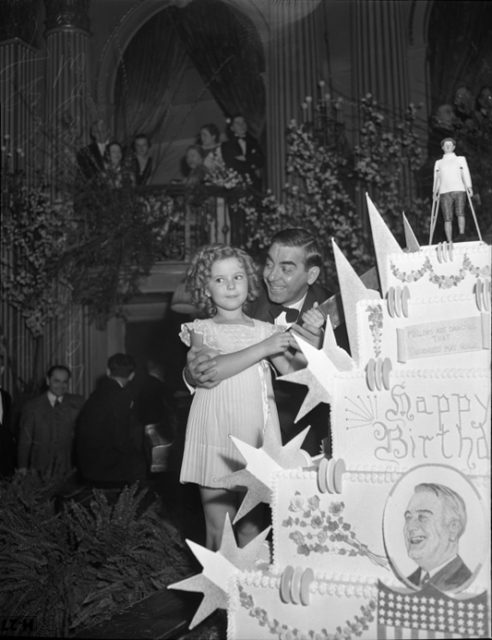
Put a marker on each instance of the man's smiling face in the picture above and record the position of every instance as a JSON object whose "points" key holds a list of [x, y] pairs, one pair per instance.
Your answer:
{"points": [[426, 530], [285, 274]]}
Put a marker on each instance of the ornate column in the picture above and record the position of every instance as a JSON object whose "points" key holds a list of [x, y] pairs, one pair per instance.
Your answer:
{"points": [[379, 52], [19, 88], [67, 81], [293, 70], [379, 55]]}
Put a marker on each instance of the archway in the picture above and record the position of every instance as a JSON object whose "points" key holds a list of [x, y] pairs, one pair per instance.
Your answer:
{"points": [[186, 66]]}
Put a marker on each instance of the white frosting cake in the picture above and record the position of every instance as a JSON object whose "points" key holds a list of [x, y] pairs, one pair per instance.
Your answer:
{"points": [[411, 408], [391, 537]]}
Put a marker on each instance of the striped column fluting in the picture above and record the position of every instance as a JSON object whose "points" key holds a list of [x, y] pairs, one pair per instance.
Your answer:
{"points": [[293, 72]]}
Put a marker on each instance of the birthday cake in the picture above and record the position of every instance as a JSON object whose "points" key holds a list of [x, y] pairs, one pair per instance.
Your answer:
{"points": [[391, 537]]}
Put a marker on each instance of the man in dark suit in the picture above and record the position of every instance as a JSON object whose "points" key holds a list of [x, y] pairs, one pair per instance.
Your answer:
{"points": [[292, 267], [7, 439], [435, 519], [242, 152], [47, 425], [109, 438], [91, 158]]}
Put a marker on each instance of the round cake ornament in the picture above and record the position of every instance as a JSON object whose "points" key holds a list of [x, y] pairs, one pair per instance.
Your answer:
{"points": [[435, 529]]}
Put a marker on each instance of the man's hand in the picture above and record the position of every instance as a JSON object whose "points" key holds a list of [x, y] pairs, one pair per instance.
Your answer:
{"points": [[200, 370], [313, 320]]}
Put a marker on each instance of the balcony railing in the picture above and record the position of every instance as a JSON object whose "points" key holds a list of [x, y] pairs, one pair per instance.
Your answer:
{"points": [[198, 217]]}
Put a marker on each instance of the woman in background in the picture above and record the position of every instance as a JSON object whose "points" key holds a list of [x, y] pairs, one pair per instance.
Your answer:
{"points": [[210, 144]]}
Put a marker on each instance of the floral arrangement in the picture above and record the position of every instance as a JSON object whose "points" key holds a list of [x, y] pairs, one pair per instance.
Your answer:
{"points": [[375, 319], [219, 175], [315, 197], [325, 179], [325, 527], [386, 163], [121, 236], [37, 229]]}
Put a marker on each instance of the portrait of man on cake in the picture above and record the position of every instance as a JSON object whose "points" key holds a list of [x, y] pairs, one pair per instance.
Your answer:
{"points": [[434, 521]]}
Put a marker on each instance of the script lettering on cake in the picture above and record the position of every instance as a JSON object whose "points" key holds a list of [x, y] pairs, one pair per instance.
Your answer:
{"points": [[446, 430], [396, 446], [481, 425], [402, 404]]}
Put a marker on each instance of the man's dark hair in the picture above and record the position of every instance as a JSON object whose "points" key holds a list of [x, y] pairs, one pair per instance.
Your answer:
{"points": [[213, 130], [140, 136], [55, 367], [299, 237], [121, 365]]}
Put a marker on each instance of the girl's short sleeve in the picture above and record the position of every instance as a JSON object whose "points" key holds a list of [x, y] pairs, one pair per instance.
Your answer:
{"points": [[193, 333], [185, 333]]}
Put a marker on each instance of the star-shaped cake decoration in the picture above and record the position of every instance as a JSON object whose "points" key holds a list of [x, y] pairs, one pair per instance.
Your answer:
{"points": [[320, 374], [218, 567], [262, 463]]}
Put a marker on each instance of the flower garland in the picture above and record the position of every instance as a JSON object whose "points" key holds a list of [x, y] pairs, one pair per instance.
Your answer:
{"points": [[330, 527], [442, 281], [353, 628]]}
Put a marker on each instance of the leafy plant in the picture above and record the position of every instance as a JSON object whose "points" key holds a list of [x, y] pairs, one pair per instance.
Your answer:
{"points": [[75, 568], [386, 162], [36, 231]]}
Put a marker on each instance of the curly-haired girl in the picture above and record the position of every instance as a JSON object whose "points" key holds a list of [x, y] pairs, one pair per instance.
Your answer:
{"points": [[222, 280]]}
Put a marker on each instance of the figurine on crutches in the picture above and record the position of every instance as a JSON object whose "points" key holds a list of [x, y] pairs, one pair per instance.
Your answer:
{"points": [[452, 185]]}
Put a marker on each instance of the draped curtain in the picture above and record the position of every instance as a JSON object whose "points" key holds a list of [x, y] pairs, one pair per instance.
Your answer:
{"points": [[147, 80], [224, 48], [460, 48]]}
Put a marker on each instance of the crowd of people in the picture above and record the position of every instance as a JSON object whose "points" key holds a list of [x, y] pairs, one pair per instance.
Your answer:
{"points": [[236, 159], [104, 160], [242, 334], [100, 442]]}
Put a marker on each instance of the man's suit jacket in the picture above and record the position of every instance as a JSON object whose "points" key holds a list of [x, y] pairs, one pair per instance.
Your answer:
{"points": [[90, 161], [254, 158], [155, 405], [289, 396], [7, 439], [46, 434], [109, 438], [454, 574]]}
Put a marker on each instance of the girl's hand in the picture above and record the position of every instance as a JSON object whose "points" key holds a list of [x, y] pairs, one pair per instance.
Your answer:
{"points": [[277, 343], [313, 320]]}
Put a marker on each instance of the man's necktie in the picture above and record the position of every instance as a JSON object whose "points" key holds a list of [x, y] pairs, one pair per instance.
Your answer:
{"points": [[425, 578], [291, 315]]}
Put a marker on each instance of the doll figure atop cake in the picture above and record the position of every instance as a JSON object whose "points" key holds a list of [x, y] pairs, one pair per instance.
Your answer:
{"points": [[452, 183]]}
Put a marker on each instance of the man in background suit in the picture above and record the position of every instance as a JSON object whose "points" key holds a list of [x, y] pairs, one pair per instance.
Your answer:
{"points": [[290, 274], [47, 425], [109, 437], [91, 158], [242, 152], [435, 519], [7, 439]]}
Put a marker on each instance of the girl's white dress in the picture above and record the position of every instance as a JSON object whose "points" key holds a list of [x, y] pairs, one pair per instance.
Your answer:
{"points": [[242, 405]]}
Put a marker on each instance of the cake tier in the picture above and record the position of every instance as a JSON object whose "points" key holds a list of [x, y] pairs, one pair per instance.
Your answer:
{"points": [[265, 606], [411, 330], [354, 521], [331, 532], [300, 605], [438, 270]]}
